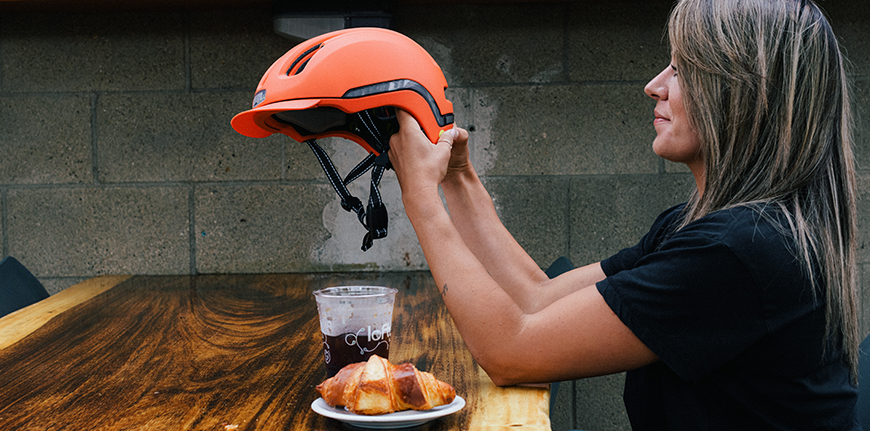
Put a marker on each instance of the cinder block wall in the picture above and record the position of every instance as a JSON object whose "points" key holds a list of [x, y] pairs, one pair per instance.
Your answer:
{"points": [[116, 154]]}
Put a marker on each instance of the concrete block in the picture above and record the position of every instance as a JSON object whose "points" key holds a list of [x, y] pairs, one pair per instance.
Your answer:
{"points": [[233, 48], [613, 212], [181, 137], [46, 139], [566, 130], [251, 229], [599, 405], [82, 232], [93, 52], [475, 43], [864, 216], [562, 413], [399, 251], [861, 103], [849, 21], [477, 120], [301, 227], [864, 298], [535, 211], [617, 40], [671, 167]]}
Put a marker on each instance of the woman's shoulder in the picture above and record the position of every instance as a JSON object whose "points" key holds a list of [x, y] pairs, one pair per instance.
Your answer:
{"points": [[669, 219], [754, 237], [751, 232], [749, 219], [746, 229], [721, 225]]}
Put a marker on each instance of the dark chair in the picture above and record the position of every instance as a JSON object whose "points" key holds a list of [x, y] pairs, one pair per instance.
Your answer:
{"points": [[18, 287], [863, 405], [559, 266]]}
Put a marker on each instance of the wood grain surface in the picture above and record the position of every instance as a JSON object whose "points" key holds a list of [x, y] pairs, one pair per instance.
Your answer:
{"points": [[224, 352], [21, 323]]}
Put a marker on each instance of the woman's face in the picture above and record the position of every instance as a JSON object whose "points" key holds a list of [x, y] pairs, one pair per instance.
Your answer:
{"points": [[676, 140]]}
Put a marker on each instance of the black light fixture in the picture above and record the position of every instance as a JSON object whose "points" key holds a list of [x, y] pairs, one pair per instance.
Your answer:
{"points": [[302, 20]]}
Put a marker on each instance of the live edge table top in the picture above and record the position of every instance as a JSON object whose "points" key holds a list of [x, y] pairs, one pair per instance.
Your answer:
{"points": [[222, 352]]}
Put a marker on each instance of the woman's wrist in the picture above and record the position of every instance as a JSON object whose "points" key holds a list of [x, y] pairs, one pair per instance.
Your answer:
{"points": [[421, 201], [457, 178]]}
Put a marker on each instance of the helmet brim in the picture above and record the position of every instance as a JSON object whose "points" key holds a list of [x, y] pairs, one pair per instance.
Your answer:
{"points": [[253, 122]]}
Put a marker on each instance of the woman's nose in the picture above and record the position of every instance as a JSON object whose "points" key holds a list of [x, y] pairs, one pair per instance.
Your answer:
{"points": [[657, 88]]}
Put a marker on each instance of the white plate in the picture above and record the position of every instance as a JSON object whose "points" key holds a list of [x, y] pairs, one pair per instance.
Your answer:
{"points": [[403, 419]]}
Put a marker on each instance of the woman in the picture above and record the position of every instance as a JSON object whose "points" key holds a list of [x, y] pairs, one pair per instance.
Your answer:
{"points": [[738, 309]]}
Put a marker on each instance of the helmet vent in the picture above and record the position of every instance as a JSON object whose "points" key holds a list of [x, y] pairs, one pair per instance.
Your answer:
{"points": [[302, 60]]}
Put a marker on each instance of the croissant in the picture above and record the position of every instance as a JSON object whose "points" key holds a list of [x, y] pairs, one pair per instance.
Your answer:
{"points": [[377, 387]]}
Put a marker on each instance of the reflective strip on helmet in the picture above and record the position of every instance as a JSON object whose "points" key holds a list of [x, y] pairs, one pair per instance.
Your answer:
{"points": [[259, 98], [397, 85]]}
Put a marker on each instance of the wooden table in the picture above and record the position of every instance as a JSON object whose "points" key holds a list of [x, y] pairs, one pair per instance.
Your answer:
{"points": [[221, 352]]}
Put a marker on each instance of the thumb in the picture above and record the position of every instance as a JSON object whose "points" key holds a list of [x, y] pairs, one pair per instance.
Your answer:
{"points": [[406, 120], [447, 137]]}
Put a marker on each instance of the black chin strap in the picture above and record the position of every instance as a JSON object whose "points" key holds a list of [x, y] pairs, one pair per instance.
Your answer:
{"points": [[374, 218]]}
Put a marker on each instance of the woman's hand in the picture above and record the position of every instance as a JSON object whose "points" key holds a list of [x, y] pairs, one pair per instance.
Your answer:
{"points": [[419, 164], [460, 161]]}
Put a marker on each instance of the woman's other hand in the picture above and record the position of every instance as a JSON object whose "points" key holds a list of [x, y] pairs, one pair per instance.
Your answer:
{"points": [[418, 163], [459, 155]]}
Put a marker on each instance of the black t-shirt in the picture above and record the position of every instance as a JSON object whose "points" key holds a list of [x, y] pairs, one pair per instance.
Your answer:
{"points": [[733, 317]]}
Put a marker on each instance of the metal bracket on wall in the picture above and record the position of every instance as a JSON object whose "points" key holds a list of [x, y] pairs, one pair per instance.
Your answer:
{"points": [[304, 20]]}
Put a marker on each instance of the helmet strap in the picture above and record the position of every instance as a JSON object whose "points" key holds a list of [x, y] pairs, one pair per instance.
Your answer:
{"points": [[376, 214], [374, 218]]}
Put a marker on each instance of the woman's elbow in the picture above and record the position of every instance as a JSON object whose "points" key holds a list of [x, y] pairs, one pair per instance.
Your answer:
{"points": [[505, 369], [500, 378], [502, 381]]}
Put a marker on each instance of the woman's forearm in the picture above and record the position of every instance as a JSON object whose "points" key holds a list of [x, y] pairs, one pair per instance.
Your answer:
{"points": [[462, 280], [473, 213]]}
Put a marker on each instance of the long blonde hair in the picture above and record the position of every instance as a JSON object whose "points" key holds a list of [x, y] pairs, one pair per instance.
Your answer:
{"points": [[765, 87]]}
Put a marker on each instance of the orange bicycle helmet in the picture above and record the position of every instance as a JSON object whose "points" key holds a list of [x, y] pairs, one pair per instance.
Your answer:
{"points": [[347, 84]]}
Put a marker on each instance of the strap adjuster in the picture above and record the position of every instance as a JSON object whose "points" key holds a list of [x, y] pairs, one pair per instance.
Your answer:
{"points": [[351, 203]]}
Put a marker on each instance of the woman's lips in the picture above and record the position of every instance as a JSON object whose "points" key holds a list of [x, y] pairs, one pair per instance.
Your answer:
{"points": [[660, 119]]}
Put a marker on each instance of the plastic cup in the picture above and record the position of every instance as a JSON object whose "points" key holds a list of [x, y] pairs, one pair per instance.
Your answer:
{"points": [[355, 322]]}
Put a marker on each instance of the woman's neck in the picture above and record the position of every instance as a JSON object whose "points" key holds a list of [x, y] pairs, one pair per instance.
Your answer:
{"points": [[699, 172]]}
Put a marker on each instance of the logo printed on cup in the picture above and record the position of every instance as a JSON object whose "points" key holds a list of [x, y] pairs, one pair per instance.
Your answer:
{"points": [[371, 335]]}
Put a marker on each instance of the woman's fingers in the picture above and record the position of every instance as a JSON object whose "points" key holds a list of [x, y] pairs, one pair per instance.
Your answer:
{"points": [[447, 137]]}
